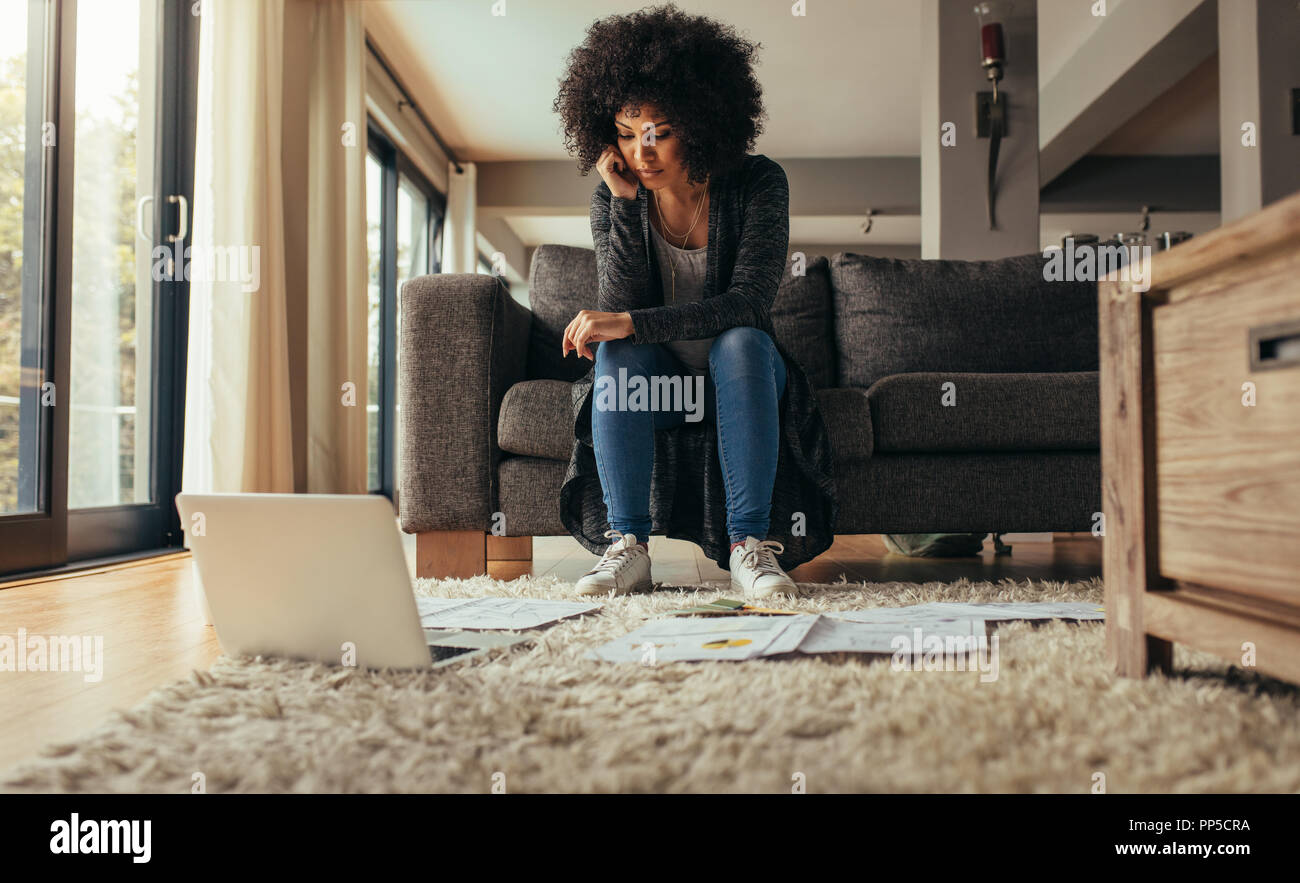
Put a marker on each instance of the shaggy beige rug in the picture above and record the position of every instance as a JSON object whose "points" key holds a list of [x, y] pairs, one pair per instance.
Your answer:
{"points": [[541, 718]]}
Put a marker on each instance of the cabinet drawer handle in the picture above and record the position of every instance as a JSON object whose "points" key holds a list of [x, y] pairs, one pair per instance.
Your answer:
{"points": [[1275, 346]]}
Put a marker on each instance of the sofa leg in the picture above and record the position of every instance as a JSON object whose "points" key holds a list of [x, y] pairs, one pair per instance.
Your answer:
{"points": [[509, 548], [450, 554]]}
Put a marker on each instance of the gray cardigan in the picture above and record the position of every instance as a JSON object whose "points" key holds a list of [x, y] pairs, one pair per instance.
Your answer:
{"points": [[749, 233]]}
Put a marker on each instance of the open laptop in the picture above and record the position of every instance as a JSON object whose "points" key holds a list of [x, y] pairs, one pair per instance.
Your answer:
{"points": [[315, 576]]}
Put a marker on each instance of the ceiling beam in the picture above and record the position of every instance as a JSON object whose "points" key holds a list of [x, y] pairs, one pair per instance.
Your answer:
{"points": [[891, 185], [1118, 72]]}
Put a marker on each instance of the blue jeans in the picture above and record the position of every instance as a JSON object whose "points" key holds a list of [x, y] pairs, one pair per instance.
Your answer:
{"points": [[742, 391]]}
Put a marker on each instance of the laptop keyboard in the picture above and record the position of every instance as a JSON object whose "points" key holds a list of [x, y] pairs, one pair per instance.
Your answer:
{"points": [[439, 652]]}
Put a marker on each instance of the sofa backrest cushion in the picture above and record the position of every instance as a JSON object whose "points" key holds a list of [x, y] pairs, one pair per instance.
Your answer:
{"points": [[804, 323], [899, 316], [561, 281]]}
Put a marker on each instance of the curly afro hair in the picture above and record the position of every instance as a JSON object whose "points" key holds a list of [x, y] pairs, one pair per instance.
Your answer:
{"points": [[697, 71]]}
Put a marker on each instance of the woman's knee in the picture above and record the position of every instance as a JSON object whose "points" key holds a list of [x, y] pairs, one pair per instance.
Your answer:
{"points": [[739, 346], [617, 353]]}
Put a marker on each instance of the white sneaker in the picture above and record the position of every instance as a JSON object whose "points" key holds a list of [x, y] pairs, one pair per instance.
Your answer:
{"points": [[624, 568], [754, 569]]}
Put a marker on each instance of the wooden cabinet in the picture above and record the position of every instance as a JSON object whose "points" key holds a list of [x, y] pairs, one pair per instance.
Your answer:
{"points": [[1200, 419]]}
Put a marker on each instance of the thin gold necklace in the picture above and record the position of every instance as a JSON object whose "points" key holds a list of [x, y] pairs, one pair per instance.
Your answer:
{"points": [[695, 220]]}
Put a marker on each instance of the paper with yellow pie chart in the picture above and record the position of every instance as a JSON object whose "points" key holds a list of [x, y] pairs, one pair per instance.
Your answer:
{"points": [[724, 643], [873, 630], [693, 640]]}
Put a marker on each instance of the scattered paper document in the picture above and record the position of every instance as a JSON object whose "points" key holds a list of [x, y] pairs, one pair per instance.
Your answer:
{"points": [[878, 630], [1008, 610], [692, 640], [998, 611], [729, 607], [841, 636], [749, 637], [496, 614], [917, 614]]}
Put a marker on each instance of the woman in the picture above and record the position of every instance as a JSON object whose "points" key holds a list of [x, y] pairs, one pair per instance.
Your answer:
{"points": [[691, 234]]}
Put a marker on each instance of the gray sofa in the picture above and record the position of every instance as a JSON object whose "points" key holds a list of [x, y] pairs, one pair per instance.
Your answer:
{"points": [[959, 396]]}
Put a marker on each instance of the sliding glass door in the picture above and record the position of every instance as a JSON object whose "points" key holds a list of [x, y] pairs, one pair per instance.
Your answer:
{"points": [[92, 310], [404, 222]]}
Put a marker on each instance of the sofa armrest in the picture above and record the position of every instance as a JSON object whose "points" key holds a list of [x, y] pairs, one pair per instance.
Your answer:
{"points": [[463, 343]]}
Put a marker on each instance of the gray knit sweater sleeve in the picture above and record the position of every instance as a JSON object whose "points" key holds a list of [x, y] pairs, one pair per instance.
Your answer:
{"points": [[620, 252], [621, 263]]}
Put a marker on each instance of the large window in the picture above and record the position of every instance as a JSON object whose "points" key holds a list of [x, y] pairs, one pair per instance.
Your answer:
{"points": [[404, 238], [22, 213], [96, 147]]}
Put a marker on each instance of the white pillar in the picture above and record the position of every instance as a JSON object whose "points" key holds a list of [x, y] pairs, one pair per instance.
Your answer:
{"points": [[459, 245], [1259, 65]]}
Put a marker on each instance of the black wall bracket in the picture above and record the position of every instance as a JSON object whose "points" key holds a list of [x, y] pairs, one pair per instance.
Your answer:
{"points": [[982, 102]]}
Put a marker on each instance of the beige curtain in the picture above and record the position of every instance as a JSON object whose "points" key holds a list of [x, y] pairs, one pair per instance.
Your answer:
{"points": [[246, 368], [337, 274], [237, 420]]}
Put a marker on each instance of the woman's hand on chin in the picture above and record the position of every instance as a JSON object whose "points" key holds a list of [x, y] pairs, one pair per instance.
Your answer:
{"points": [[592, 326]]}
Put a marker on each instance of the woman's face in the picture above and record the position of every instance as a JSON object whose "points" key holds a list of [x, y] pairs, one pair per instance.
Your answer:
{"points": [[657, 154]]}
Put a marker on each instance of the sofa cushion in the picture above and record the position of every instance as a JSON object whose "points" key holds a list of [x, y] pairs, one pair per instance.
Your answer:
{"points": [[987, 412], [964, 493], [903, 316], [536, 420], [804, 322], [561, 281]]}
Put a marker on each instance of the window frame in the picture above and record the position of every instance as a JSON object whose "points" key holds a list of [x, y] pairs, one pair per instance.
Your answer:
{"points": [[395, 165]]}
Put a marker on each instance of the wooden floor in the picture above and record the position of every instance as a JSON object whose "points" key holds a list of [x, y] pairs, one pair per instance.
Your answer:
{"points": [[153, 629]]}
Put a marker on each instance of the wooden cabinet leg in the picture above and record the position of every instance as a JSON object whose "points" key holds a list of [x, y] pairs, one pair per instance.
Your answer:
{"points": [[1130, 651], [1126, 645], [1129, 566], [450, 554], [509, 548]]}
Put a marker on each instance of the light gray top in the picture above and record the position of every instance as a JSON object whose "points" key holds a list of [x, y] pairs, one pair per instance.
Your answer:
{"points": [[691, 264]]}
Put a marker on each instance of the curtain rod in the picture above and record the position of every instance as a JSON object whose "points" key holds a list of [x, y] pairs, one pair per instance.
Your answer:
{"points": [[406, 96]]}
